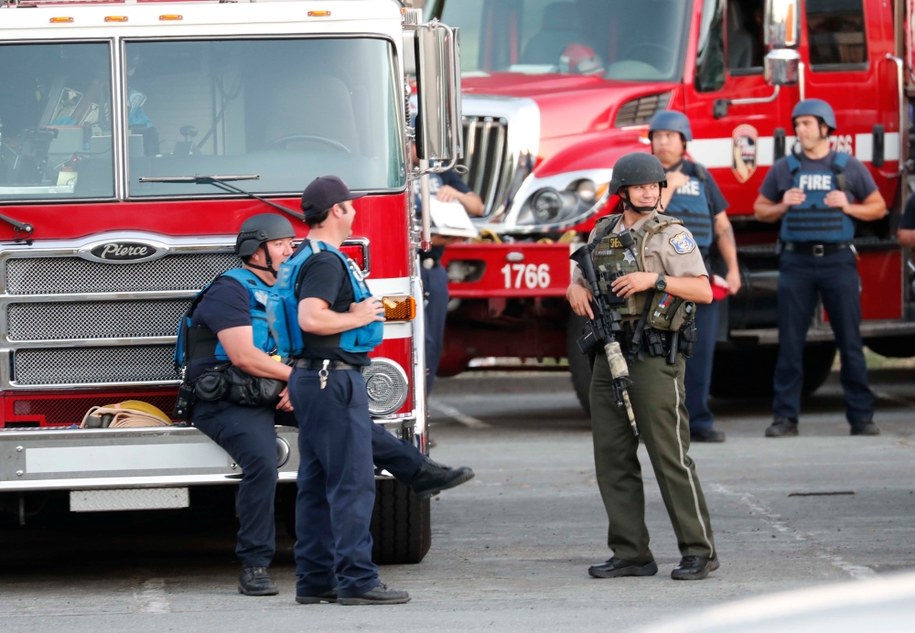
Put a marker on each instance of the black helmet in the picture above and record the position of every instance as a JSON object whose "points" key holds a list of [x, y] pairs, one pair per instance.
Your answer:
{"points": [[637, 168], [816, 108], [259, 229], [672, 121]]}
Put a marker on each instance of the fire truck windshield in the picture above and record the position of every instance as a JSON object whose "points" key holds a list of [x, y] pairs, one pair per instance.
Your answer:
{"points": [[78, 121], [618, 39]]}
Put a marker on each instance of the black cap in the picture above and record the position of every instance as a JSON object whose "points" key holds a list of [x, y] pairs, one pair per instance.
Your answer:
{"points": [[323, 193]]}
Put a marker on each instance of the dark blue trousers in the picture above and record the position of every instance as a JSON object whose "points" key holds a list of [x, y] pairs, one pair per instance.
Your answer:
{"points": [[336, 484], [435, 287], [249, 436], [834, 277], [698, 377]]}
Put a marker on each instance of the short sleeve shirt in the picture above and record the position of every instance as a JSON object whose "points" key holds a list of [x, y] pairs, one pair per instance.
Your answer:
{"points": [[908, 216], [671, 251], [716, 200], [224, 305]]}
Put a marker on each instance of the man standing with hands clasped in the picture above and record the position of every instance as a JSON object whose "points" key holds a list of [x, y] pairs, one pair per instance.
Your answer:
{"points": [[818, 194]]}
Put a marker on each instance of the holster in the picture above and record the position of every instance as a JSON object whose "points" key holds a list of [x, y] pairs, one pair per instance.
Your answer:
{"points": [[229, 382]]}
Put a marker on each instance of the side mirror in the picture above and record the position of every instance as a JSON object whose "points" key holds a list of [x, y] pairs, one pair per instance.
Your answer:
{"points": [[438, 92], [781, 20], [781, 67]]}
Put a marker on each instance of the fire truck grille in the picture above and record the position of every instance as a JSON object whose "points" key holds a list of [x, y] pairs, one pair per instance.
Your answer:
{"points": [[83, 365], [64, 275], [488, 159], [73, 322], [639, 111]]}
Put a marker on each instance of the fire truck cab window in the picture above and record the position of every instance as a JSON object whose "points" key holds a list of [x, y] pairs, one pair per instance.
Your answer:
{"points": [[836, 34], [617, 39], [55, 121]]}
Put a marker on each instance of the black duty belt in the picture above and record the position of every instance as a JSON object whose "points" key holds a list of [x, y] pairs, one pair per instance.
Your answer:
{"points": [[814, 248], [316, 363]]}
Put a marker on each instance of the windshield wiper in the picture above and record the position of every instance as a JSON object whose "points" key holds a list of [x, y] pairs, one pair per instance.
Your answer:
{"points": [[20, 227], [222, 182]]}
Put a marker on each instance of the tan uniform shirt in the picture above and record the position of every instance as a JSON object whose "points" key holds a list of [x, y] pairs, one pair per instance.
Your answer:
{"points": [[671, 251]]}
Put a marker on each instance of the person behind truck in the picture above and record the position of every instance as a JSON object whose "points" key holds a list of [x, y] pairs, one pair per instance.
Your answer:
{"points": [[818, 194], [228, 310], [341, 322], [905, 234], [693, 196], [446, 187], [662, 282]]}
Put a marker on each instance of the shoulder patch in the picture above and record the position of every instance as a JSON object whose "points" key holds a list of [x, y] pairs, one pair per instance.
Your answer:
{"points": [[683, 243]]}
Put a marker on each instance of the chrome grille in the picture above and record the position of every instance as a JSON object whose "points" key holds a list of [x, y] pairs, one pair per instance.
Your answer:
{"points": [[639, 111], [94, 320], [132, 309], [65, 275], [488, 159], [67, 366]]}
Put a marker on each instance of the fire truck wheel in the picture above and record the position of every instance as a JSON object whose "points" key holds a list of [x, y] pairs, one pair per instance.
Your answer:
{"points": [[293, 141], [747, 373], [401, 525], [579, 363]]}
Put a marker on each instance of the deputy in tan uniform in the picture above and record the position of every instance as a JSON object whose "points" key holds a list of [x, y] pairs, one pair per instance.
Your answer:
{"points": [[651, 272]]}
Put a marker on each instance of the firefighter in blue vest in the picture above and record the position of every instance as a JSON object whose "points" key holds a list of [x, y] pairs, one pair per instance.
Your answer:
{"points": [[818, 194], [693, 196], [231, 313]]}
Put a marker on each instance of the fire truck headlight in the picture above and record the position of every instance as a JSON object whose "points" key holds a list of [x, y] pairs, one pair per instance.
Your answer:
{"points": [[549, 205], [586, 190], [386, 383]]}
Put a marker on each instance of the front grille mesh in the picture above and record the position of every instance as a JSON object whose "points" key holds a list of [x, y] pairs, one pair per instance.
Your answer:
{"points": [[64, 275], [639, 111], [64, 366], [488, 159], [93, 301]]}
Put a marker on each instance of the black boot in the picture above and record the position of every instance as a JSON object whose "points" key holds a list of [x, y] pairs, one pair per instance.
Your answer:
{"points": [[256, 581], [432, 478]]}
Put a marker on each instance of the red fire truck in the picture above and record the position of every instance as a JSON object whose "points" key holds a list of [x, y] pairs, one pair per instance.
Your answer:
{"points": [[136, 138], [554, 92]]}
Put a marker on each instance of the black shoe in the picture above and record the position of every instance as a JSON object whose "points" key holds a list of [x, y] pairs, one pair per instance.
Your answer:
{"points": [[616, 567], [256, 581], [706, 435], [433, 477], [782, 427], [865, 428], [379, 595], [694, 568], [328, 596]]}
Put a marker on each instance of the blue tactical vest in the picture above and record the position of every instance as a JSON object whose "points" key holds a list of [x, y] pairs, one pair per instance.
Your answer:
{"points": [[813, 221], [690, 203], [258, 296], [283, 306]]}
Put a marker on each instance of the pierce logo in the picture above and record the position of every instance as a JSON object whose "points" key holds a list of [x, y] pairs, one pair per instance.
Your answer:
{"points": [[123, 251]]}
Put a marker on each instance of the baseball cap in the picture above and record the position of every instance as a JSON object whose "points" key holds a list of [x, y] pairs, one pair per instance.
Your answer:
{"points": [[323, 193]]}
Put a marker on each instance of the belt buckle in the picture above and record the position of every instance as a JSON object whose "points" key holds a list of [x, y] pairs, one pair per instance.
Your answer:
{"points": [[819, 250]]}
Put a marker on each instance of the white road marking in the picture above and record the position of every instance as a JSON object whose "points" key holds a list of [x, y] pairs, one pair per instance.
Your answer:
{"points": [[469, 421], [151, 597]]}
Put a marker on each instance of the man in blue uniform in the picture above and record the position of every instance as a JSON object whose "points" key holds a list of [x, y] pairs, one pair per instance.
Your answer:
{"points": [[229, 324], [693, 196], [446, 188], [341, 322], [818, 194]]}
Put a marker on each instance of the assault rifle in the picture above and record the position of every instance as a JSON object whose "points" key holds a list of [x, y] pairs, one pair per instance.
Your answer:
{"points": [[602, 330]]}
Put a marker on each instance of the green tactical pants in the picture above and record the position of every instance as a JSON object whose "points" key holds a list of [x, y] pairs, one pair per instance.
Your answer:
{"points": [[659, 405]]}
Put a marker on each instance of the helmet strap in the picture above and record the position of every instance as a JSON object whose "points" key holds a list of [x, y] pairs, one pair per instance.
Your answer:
{"points": [[268, 260], [627, 204]]}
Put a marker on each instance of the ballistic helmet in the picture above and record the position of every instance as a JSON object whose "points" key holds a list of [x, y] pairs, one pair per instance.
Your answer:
{"points": [[637, 168], [259, 229], [817, 108], [671, 121]]}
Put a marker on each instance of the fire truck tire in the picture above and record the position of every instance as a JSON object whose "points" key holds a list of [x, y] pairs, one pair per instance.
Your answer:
{"points": [[579, 363], [747, 373], [892, 346], [401, 525]]}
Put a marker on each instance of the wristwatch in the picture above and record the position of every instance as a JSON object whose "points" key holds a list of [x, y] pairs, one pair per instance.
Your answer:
{"points": [[661, 284]]}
